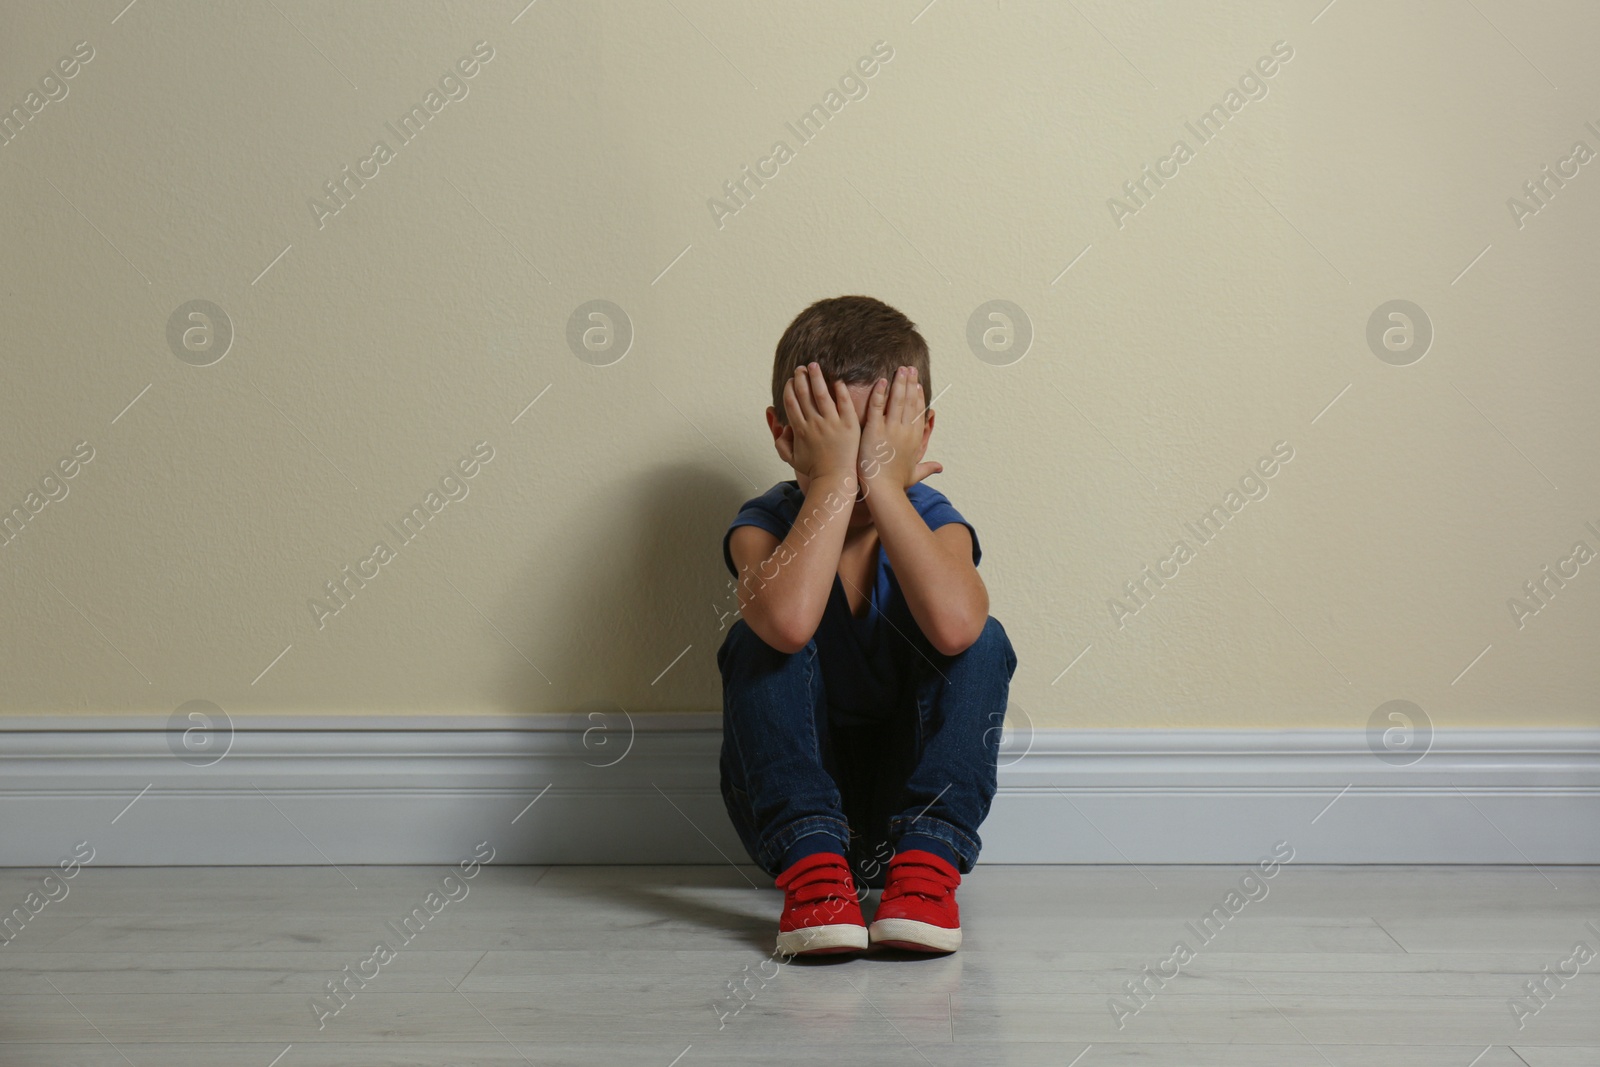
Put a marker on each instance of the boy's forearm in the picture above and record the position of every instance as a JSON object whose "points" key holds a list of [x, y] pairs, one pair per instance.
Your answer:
{"points": [[945, 594], [789, 591]]}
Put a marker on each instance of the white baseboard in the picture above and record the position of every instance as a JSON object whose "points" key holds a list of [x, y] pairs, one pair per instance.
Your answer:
{"points": [[409, 789]]}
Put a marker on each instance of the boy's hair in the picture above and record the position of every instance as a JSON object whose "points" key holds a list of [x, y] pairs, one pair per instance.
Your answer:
{"points": [[855, 339]]}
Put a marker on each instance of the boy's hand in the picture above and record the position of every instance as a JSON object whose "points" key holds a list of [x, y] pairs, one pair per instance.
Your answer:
{"points": [[825, 436], [891, 441]]}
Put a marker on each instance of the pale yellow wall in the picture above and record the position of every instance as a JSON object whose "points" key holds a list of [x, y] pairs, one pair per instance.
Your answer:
{"points": [[1218, 320]]}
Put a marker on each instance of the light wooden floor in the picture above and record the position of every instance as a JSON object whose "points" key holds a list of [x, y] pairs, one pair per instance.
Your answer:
{"points": [[632, 965]]}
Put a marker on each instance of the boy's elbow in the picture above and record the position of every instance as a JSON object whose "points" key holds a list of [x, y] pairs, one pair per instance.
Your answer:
{"points": [[961, 622], [783, 635], [952, 647], [785, 643], [792, 638], [958, 635]]}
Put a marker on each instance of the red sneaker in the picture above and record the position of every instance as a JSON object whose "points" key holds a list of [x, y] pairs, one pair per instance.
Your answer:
{"points": [[820, 912], [918, 910]]}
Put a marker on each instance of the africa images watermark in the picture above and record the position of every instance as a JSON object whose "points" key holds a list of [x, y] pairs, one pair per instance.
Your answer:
{"points": [[1142, 590], [1540, 190], [342, 989], [342, 590], [1543, 988], [342, 189], [52, 888], [1252, 86], [53, 88], [1141, 992], [1542, 588], [738, 190], [14, 522], [740, 991]]}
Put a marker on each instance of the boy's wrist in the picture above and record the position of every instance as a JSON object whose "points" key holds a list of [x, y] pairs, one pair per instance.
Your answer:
{"points": [[883, 492], [843, 481]]}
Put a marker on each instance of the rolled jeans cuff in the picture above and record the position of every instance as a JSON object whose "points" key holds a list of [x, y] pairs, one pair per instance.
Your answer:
{"points": [[775, 846], [965, 847]]}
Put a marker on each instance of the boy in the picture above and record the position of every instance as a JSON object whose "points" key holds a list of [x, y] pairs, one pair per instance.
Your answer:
{"points": [[864, 683]]}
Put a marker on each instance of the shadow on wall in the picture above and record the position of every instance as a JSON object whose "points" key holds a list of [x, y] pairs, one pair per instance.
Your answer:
{"points": [[657, 587]]}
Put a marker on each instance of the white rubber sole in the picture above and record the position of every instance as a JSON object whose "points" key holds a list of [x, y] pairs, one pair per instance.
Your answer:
{"points": [[814, 940], [914, 936]]}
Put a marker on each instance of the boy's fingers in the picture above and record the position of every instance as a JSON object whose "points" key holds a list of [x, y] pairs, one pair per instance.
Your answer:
{"points": [[791, 404], [841, 400], [879, 397], [913, 399], [897, 396], [822, 399], [802, 392]]}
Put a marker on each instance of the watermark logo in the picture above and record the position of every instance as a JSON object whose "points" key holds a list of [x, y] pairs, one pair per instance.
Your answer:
{"points": [[1399, 333], [1012, 745], [999, 333], [599, 333], [1399, 733], [607, 735], [199, 733], [199, 333]]}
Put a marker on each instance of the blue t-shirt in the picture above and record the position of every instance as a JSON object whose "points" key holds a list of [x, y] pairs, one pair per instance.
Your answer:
{"points": [[862, 658]]}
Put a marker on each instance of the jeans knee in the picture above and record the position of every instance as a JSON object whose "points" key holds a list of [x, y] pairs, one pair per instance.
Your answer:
{"points": [[743, 650], [992, 649], [738, 647]]}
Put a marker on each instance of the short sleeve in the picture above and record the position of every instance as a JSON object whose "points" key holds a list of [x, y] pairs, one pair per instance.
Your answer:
{"points": [[936, 510], [769, 511]]}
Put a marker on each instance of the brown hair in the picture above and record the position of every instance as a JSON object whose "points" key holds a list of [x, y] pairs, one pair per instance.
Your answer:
{"points": [[855, 339]]}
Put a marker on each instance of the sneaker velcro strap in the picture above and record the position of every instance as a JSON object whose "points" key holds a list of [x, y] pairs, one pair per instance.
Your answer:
{"points": [[913, 884], [813, 892], [823, 881], [819, 865]]}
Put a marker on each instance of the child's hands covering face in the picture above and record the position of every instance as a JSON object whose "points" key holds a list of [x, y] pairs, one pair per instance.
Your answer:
{"points": [[826, 437], [891, 441]]}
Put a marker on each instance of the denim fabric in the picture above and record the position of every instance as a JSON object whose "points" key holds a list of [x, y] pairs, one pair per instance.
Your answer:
{"points": [[793, 765]]}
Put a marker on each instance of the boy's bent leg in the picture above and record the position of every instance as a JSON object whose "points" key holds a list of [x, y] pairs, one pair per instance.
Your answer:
{"points": [[960, 706], [775, 779]]}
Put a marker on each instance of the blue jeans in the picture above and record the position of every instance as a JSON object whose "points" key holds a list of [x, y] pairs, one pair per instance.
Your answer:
{"points": [[792, 765]]}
